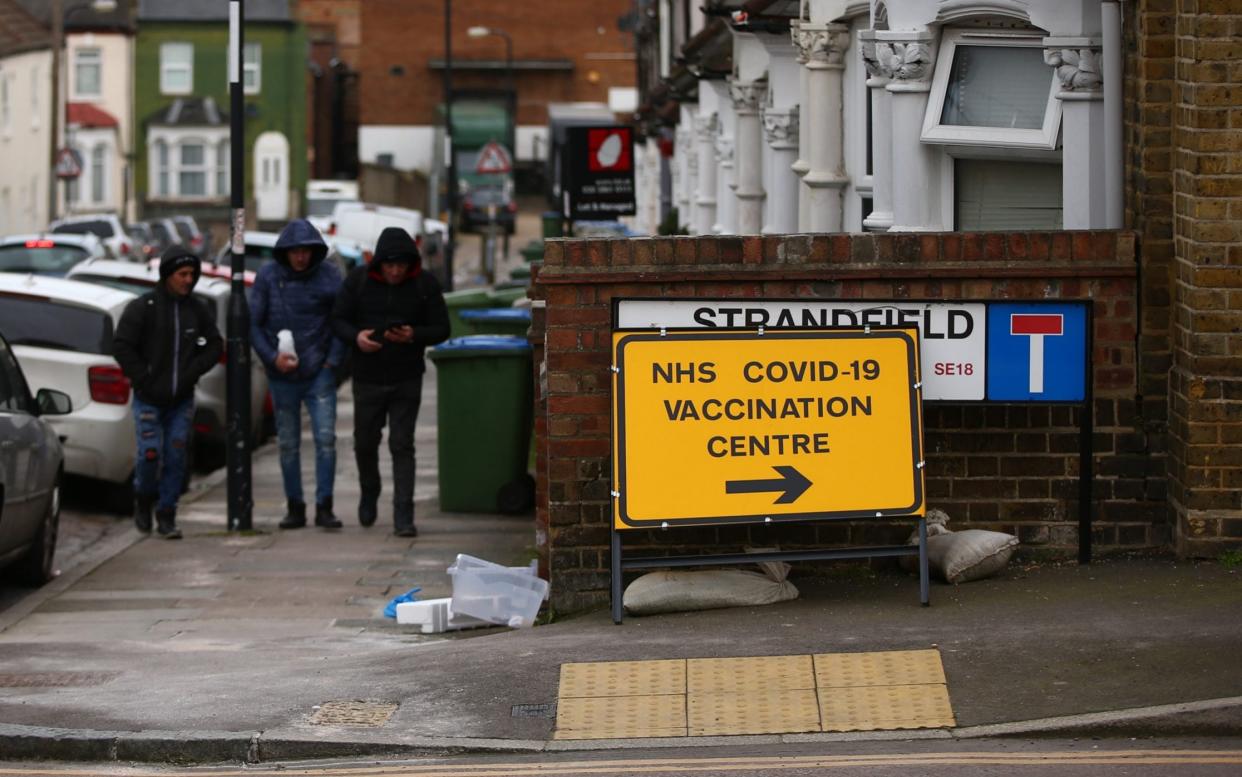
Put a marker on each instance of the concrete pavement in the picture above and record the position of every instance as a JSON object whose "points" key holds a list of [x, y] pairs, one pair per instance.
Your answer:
{"points": [[223, 646]]}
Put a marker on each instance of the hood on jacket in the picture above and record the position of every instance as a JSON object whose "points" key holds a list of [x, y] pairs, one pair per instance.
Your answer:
{"points": [[300, 233], [396, 245], [177, 256]]}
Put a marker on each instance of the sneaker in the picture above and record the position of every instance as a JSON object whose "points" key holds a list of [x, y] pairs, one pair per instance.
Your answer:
{"points": [[406, 531], [324, 518], [143, 506], [295, 515], [368, 511], [166, 524]]}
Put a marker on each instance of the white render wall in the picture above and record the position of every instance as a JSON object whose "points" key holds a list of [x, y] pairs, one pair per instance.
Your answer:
{"points": [[116, 97], [25, 150]]}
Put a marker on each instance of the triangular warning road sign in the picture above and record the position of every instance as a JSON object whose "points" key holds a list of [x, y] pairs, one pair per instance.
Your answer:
{"points": [[68, 163], [493, 158]]}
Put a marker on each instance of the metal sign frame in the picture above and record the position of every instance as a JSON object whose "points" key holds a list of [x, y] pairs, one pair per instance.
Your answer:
{"points": [[618, 561]]}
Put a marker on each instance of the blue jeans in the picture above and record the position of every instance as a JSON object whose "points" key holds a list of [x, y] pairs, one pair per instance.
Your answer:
{"points": [[163, 433], [319, 396]]}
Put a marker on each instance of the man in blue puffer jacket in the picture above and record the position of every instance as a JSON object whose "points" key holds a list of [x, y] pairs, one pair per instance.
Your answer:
{"points": [[296, 293]]}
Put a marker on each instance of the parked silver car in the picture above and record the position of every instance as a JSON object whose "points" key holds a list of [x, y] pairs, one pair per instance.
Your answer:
{"points": [[31, 467]]}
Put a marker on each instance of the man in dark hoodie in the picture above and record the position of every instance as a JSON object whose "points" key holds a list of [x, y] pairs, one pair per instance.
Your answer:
{"points": [[165, 341], [389, 311], [296, 293]]}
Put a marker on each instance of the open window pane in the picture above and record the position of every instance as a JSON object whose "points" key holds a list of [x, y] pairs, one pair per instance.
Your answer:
{"points": [[993, 195], [997, 86]]}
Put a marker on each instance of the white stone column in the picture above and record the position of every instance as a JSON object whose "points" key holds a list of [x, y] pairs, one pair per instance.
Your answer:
{"points": [[800, 166], [1083, 183], [705, 199], [823, 46], [909, 58], [748, 149], [781, 132], [726, 183], [881, 216]]}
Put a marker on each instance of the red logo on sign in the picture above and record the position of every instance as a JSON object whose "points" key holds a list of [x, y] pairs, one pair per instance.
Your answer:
{"points": [[610, 150]]}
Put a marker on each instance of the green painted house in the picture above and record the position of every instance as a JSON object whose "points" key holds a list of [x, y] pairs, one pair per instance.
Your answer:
{"points": [[181, 103]]}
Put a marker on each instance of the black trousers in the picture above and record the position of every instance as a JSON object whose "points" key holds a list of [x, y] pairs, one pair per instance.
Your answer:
{"points": [[376, 404]]}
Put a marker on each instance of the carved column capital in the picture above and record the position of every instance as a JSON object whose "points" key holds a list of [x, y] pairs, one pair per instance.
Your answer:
{"points": [[821, 45], [781, 127], [747, 96], [1078, 69], [909, 63], [705, 127], [877, 71], [724, 150]]}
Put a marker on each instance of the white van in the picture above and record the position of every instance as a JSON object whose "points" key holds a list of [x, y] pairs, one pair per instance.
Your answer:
{"points": [[322, 196], [359, 224]]}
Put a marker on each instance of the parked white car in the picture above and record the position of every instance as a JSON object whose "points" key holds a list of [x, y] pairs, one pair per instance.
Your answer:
{"points": [[260, 249], [322, 197], [47, 254], [61, 333], [210, 406], [355, 226], [106, 226]]}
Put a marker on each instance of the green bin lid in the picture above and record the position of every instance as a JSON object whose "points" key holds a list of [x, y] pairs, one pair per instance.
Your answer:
{"points": [[472, 346]]}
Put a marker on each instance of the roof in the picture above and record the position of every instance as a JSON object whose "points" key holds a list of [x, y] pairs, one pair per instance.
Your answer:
{"points": [[83, 16], [199, 11], [80, 293], [189, 112], [20, 31], [89, 115]]}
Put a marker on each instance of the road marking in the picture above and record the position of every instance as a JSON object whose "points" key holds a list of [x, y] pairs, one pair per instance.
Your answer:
{"points": [[653, 765]]}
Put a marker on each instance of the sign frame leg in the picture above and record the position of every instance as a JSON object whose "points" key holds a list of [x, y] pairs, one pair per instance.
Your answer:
{"points": [[616, 576], [924, 586]]}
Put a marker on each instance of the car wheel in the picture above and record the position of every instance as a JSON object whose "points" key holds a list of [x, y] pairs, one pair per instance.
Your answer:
{"points": [[36, 567]]}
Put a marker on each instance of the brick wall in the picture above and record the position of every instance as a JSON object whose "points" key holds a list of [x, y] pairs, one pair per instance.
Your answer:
{"points": [[1011, 468], [409, 33], [1206, 378], [1148, 95]]}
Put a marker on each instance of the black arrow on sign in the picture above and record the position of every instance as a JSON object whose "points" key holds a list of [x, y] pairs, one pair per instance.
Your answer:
{"points": [[792, 482]]}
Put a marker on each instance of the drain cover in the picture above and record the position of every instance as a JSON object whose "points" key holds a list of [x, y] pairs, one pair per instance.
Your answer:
{"points": [[365, 714], [54, 679], [533, 710]]}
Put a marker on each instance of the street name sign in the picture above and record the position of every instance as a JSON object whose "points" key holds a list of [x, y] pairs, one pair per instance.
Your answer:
{"points": [[952, 339], [728, 426]]}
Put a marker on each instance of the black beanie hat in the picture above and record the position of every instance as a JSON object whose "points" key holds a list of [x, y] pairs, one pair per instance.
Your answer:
{"points": [[396, 245], [177, 256]]}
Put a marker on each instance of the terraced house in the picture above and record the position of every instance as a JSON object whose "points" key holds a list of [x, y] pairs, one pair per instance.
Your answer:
{"points": [[181, 146]]}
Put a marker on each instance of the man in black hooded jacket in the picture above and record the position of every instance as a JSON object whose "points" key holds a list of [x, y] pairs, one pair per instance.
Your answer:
{"points": [[166, 340], [388, 312]]}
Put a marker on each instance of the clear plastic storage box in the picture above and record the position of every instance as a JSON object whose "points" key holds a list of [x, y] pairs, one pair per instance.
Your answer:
{"points": [[509, 596]]}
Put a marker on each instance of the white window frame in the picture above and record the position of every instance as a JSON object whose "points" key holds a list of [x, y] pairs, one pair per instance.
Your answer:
{"points": [[35, 85], [173, 139], [6, 103], [99, 173], [1045, 137], [255, 67], [166, 67], [78, 55]]}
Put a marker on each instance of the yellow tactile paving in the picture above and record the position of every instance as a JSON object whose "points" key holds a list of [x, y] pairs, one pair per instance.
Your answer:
{"points": [[621, 717], [901, 689], [879, 707], [623, 678], [754, 712], [739, 675], [894, 667]]}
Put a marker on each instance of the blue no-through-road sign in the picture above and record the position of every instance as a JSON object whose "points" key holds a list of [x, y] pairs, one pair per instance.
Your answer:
{"points": [[1037, 352]]}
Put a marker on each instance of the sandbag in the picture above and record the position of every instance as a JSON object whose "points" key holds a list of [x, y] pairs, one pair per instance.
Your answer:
{"points": [[680, 591], [962, 556]]}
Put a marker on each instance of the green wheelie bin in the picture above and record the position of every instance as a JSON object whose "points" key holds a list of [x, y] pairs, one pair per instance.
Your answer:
{"points": [[497, 321], [456, 301], [484, 412]]}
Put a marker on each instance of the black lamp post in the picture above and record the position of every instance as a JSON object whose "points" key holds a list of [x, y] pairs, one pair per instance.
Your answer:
{"points": [[450, 185]]}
